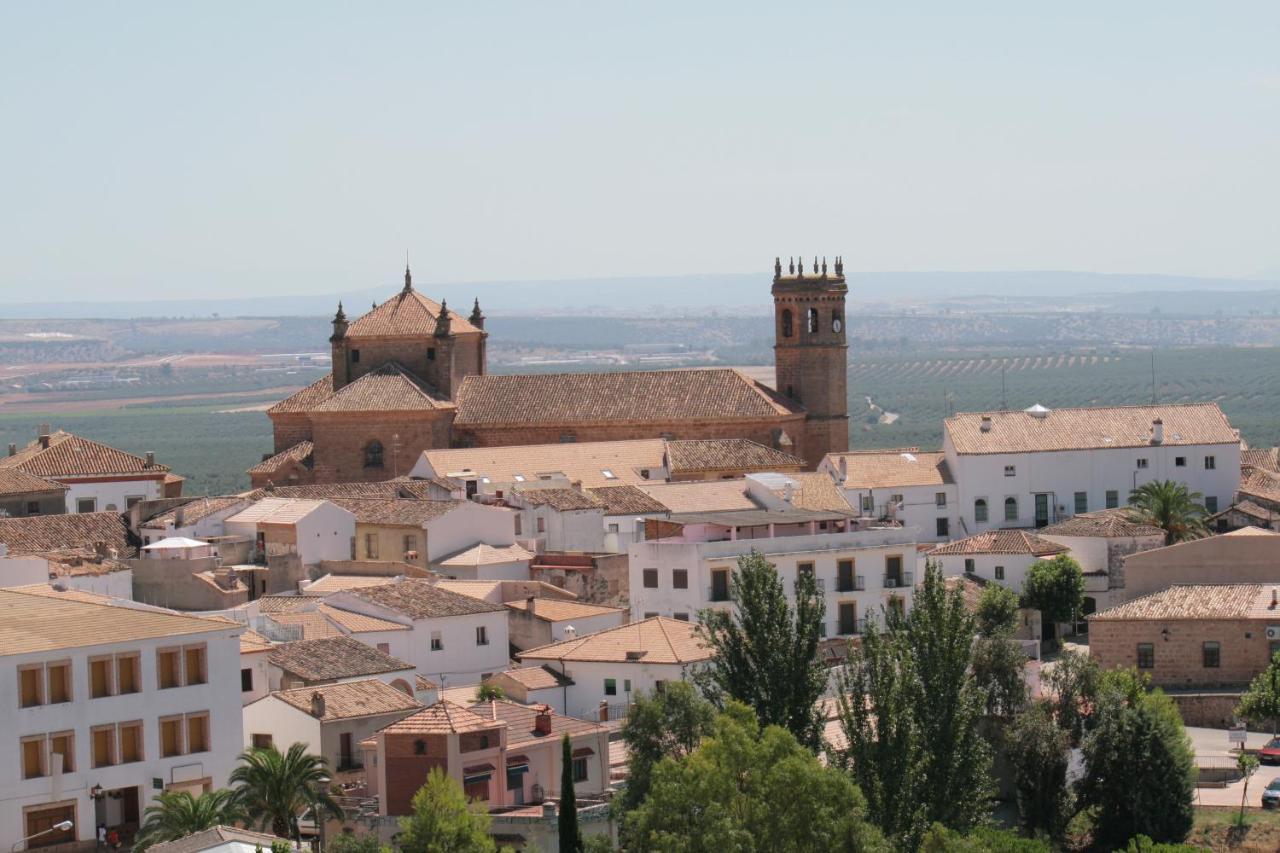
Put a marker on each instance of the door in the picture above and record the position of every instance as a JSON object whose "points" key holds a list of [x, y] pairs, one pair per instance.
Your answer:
{"points": [[848, 617], [344, 751], [720, 586], [40, 822], [1042, 510]]}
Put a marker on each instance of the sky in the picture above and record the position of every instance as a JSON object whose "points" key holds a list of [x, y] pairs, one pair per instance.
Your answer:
{"points": [[170, 150]]}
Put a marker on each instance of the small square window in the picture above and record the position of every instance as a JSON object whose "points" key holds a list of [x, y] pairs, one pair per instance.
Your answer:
{"points": [[969, 566], [679, 578], [1082, 502], [86, 504], [1180, 462], [1010, 471], [1113, 499], [650, 578], [868, 503], [431, 353], [1211, 503], [437, 642], [999, 573], [1210, 463], [1212, 651], [942, 527], [482, 635], [1146, 656], [542, 525], [611, 687], [940, 498], [1142, 462], [246, 680], [579, 770], [33, 507], [680, 617]]}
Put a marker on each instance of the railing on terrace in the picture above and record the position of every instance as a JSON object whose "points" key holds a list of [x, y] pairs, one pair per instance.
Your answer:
{"points": [[905, 579], [845, 628], [716, 595], [858, 585]]}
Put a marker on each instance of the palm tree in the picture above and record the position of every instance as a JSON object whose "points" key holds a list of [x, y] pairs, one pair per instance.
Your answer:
{"points": [[274, 788], [1172, 507], [177, 814]]}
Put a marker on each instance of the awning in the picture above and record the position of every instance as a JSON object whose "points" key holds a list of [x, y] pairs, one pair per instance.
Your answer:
{"points": [[583, 752], [479, 768], [478, 773], [517, 759]]}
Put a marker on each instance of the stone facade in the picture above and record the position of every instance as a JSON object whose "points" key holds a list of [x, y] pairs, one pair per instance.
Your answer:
{"points": [[1178, 649]]}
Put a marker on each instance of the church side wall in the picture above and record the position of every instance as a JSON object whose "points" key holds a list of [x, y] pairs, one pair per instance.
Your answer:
{"points": [[340, 442]]}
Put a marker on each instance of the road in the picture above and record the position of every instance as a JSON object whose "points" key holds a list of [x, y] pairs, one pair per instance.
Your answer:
{"points": [[1214, 750]]}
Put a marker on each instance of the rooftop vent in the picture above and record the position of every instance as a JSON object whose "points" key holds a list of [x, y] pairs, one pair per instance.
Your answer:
{"points": [[1037, 411], [1157, 431], [986, 423]]}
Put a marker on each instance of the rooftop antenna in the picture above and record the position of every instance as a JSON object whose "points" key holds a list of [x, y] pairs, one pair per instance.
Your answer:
{"points": [[1004, 405], [1153, 377]]}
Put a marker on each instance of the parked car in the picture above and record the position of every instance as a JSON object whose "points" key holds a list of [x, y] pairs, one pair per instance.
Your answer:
{"points": [[1271, 795], [1270, 754]]}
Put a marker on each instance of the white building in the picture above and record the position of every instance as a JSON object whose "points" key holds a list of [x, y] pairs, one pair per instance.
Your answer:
{"points": [[558, 519], [108, 706], [201, 518], [907, 486], [333, 660], [255, 671], [1002, 556], [1100, 542], [626, 508], [536, 622], [495, 471], [609, 667], [1038, 466], [315, 530], [486, 563]]}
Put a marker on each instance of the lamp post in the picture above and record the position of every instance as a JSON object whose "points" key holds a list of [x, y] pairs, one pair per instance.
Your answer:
{"points": [[60, 826]]}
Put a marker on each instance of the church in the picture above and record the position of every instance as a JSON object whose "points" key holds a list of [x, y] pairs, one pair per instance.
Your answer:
{"points": [[411, 375]]}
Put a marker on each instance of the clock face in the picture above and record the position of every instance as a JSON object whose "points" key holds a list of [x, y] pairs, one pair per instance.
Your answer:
{"points": [[837, 324]]}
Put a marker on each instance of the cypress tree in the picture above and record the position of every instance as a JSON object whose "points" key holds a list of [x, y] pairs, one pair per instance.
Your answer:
{"points": [[570, 839]]}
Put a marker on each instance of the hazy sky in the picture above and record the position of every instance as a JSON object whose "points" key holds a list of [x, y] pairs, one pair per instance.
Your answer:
{"points": [[152, 150]]}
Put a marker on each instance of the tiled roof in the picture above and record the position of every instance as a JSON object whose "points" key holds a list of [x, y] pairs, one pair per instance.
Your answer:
{"points": [[1107, 523], [817, 492], [1266, 458], [561, 500], [1250, 509], [560, 610], [727, 454], [1196, 601], [473, 589], [970, 588], [536, 677], [276, 511], [418, 599], [300, 452], [396, 512], [285, 603], [330, 584], [312, 623], [306, 399], [195, 510], [1000, 542], [349, 700], [884, 469], [15, 481], [1089, 429], [1260, 483], [43, 620], [708, 496], [520, 722], [626, 500], [72, 456], [443, 717], [331, 658], [252, 642], [358, 623], [485, 555], [384, 489], [34, 534], [580, 462], [421, 682], [664, 396], [390, 388], [655, 640], [216, 837], [407, 314]]}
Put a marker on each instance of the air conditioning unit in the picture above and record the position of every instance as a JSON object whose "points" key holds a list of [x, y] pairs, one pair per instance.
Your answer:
{"points": [[1273, 632]]}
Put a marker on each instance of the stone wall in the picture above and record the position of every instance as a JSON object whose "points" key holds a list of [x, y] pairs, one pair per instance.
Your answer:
{"points": [[1244, 650], [1211, 710], [340, 441]]}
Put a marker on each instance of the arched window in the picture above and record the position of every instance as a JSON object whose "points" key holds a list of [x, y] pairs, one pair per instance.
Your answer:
{"points": [[811, 320], [373, 454], [1010, 509], [403, 686], [786, 322], [980, 510]]}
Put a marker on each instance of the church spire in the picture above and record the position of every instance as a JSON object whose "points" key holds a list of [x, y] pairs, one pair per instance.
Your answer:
{"points": [[408, 277], [477, 316], [442, 321]]}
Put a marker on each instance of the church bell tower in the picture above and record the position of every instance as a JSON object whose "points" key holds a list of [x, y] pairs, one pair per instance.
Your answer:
{"points": [[810, 352]]}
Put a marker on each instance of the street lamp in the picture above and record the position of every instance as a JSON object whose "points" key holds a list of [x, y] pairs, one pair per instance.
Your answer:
{"points": [[60, 826]]}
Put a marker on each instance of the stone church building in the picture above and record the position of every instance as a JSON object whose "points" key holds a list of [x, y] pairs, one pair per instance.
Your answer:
{"points": [[411, 375]]}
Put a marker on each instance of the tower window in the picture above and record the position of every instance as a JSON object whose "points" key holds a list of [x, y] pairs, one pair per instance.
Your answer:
{"points": [[431, 353], [811, 320], [786, 322], [373, 454], [355, 356]]}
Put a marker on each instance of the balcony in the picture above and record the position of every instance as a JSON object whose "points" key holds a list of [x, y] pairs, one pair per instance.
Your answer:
{"points": [[847, 628], [893, 581], [718, 594], [858, 585], [820, 583]]}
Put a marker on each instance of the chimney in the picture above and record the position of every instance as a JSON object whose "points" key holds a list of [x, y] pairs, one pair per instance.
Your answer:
{"points": [[13, 449], [570, 632], [542, 720], [529, 605], [1157, 431], [180, 517], [317, 705], [844, 469], [151, 459], [789, 491], [986, 423], [1274, 602], [604, 711]]}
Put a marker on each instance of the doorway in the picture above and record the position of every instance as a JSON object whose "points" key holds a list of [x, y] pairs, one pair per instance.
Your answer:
{"points": [[1042, 510], [40, 822]]}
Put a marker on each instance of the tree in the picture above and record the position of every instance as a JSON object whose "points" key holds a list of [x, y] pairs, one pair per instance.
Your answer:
{"points": [[766, 652], [349, 842], [1172, 507], [1141, 769], [567, 818], [670, 723], [1039, 751], [177, 814], [750, 788], [984, 839], [1073, 681], [274, 788], [1262, 700], [489, 693], [1055, 588], [1247, 764], [999, 668], [443, 822], [997, 613]]}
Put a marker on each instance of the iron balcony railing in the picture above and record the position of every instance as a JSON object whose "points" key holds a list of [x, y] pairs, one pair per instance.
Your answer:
{"points": [[857, 584], [893, 581], [848, 628]]}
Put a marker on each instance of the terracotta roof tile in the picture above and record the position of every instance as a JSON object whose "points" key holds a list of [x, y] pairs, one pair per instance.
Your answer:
{"points": [[15, 481], [311, 623], [561, 500], [299, 453], [708, 496], [407, 314], [485, 555], [443, 717], [1266, 458], [331, 658], [397, 512], [626, 500], [218, 836], [419, 599], [390, 388], [1260, 483], [1106, 523], [817, 492], [1000, 542], [285, 603], [1195, 601], [665, 396], [384, 489], [727, 454], [536, 677], [252, 642], [306, 399], [358, 623], [558, 610], [580, 462], [70, 455], [519, 720], [273, 510], [656, 640], [331, 583], [349, 700], [195, 510], [39, 533], [1089, 429], [883, 469]]}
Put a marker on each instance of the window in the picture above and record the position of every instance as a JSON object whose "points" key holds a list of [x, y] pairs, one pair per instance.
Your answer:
{"points": [[33, 507], [194, 665], [999, 573], [168, 668], [197, 733], [897, 501], [373, 454], [848, 617], [33, 764], [626, 685], [1146, 656], [811, 320], [246, 680], [355, 356], [371, 546], [86, 504], [385, 648], [1210, 463], [1180, 462], [482, 635], [940, 499], [804, 570], [679, 578], [568, 438], [410, 542], [969, 565], [680, 617], [579, 770], [1010, 471], [63, 744], [437, 643], [1010, 509], [128, 673], [1082, 502], [1142, 462], [980, 510], [30, 686], [844, 576], [261, 741], [59, 683], [170, 736], [431, 353], [942, 527], [611, 687], [786, 322], [650, 578], [130, 742], [613, 528], [103, 741], [868, 503], [542, 525], [519, 526], [1113, 499], [1211, 503], [649, 614], [1212, 652], [99, 677]]}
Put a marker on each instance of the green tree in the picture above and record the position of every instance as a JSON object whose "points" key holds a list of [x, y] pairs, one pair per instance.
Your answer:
{"points": [[999, 668], [489, 693], [1247, 764], [984, 839], [766, 652], [997, 613], [1073, 682], [1143, 844], [1055, 588], [1140, 767], [443, 822], [1039, 751], [274, 788], [349, 842], [748, 789], [1172, 507], [567, 818], [177, 814], [670, 723], [1262, 700]]}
